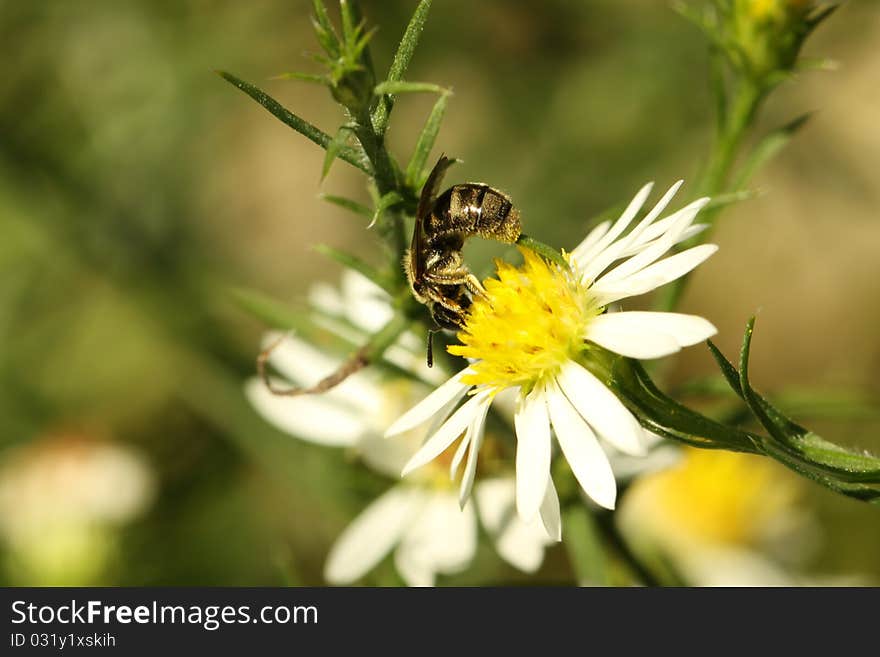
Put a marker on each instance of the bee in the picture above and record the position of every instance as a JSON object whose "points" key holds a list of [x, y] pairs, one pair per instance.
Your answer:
{"points": [[437, 274]]}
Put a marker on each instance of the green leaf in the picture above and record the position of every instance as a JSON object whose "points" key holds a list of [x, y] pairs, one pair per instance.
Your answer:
{"points": [[402, 87], [304, 77], [416, 167], [400, 63], [767, 148], [334, 147], [359, 50], [666, 417], [349, 21], [822, 64], [848, 465], [302, 126], [723, 200], [348, 204], [851, 473], [385, 202], [820, 14], [358, 265], [271, 311], [324, 30]]}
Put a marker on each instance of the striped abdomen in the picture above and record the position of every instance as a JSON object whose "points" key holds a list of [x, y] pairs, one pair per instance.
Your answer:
{"points": [[474, 209]]}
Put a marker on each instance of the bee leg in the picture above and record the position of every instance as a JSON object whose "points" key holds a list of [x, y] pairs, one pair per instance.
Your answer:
{"points": [[429, 356], [475, 287]]}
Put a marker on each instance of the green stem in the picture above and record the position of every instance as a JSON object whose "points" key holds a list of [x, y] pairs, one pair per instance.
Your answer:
{"points": [[732, 130], [583, 543], [589, 535], [606, 525], [385, 177], [543, 250]]}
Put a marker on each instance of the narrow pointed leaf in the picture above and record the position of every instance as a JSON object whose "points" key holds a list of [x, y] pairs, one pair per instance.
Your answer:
{"points": [[349, 21], [324, 29], [302, 126], [768, 147], [334, 147], [360, 47], [355, 263], [303, 77], [723, 200], [401, 61], [854, 474], [416, 166], [348, 204], [822, 12], [403, 87], [272, 312], [390, 199], [666, 417], [847, 465]]}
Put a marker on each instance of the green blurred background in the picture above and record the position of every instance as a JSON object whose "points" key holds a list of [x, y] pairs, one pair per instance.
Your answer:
{"points": [[137, 188]]}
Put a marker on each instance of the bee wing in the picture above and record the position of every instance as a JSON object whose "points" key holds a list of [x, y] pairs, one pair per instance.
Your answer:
{"points": [[426, 200]]}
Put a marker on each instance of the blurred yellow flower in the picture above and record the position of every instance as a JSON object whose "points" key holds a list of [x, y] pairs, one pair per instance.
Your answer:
{"points": [[719, 518]]}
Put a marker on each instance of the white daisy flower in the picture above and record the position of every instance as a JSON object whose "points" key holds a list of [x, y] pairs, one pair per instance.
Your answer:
{"points": [[430, 535], [419, 519], [537, 332]]}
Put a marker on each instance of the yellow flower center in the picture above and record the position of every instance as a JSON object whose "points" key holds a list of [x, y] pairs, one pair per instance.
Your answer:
{"points": [[719, 497], [530, 323]]}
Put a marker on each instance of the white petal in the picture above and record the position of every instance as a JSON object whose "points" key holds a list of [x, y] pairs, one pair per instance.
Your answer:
{"points": [[604, 257], [367, 305], [430, 404], [649, 218], [413, 570], [495, 502], [532, 453], [518, 543], [634, 344], [658, 229], [371, 535], [619, 226], [459, 455], [442, 540], [654, 276], [476, 432], [582, 451], [648, 334], [326, 298], [602, 409], [316, 419], [592, 237], [551, 516], [445, 435], [652, 251]]}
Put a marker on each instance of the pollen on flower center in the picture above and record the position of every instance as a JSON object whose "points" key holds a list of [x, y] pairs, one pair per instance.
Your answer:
{"points": [[530, 323]]}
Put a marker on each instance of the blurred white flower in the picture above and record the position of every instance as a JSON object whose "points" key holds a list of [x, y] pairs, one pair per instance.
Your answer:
{"points": [[419, 519], [61, 500], [357, 310], [431, 535], [535, 333]]}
